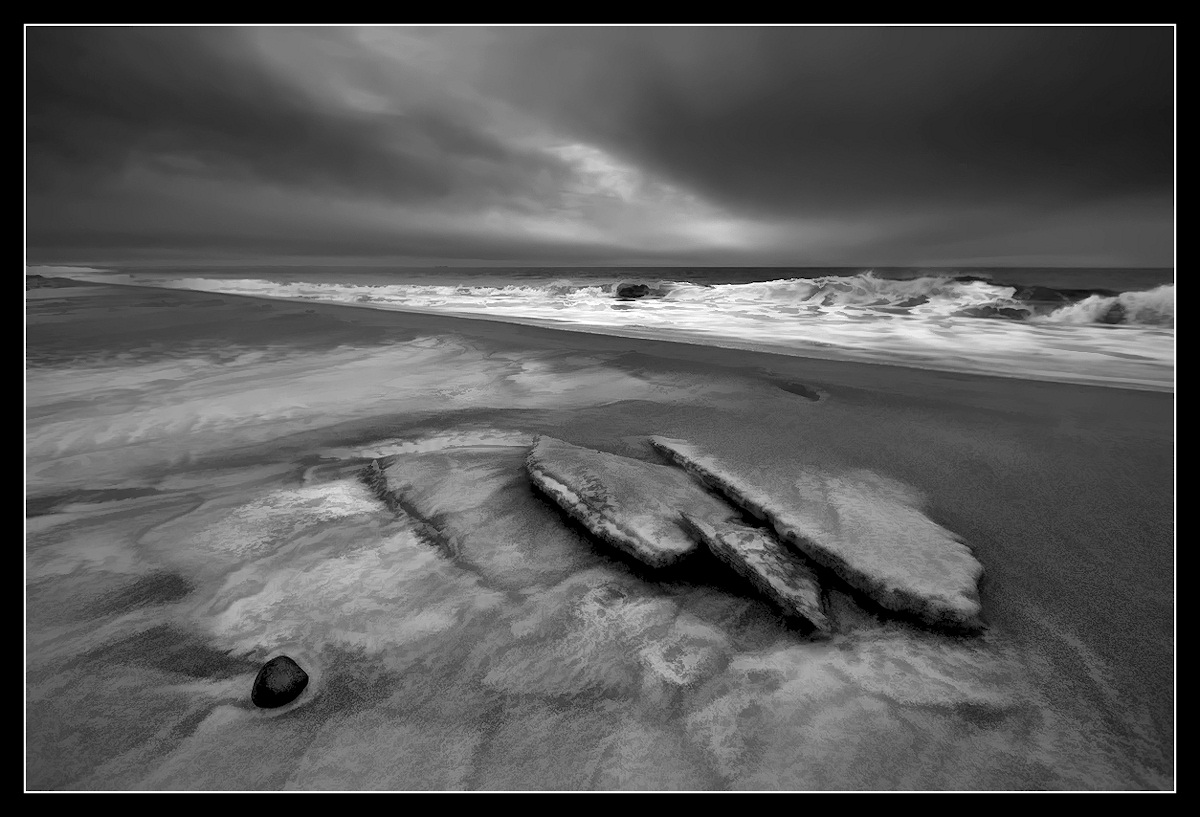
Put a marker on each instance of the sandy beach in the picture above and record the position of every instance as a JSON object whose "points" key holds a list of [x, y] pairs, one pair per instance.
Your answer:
{"points": [[195, 506]]}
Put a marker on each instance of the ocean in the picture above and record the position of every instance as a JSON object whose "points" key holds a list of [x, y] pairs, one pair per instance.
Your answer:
{"points": [[1101, 326]]}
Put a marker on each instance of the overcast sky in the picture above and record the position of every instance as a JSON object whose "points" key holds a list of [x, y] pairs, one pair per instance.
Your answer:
{"points": [[597, 146]]}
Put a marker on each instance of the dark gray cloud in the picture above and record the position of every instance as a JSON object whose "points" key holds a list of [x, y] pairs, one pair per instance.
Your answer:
{"points": [[745, 145], [197, 220], [808, 119], [206, 101]]}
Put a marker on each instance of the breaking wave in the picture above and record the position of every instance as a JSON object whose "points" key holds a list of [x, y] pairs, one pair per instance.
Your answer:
{"points": [[1154, 307], [943, 296], [951, 322], [865, 294]]}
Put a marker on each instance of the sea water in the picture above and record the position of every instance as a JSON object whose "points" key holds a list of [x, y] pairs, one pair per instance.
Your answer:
{"points": [[1102, 326]]}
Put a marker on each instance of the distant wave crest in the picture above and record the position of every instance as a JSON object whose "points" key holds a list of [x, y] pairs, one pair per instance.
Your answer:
{"points": [[956, 322], [941, 293], [861, 295], [1153, 307], [944, 296]]}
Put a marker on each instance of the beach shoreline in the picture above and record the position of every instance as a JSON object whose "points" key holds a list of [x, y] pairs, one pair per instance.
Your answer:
{"points": [[663, 345], [811, 350], [1065, 492]]}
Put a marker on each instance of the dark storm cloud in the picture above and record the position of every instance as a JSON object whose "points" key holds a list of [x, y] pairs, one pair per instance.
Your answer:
{"points": [[808, 119], [584, 145], [206, 101], [195, 220]]}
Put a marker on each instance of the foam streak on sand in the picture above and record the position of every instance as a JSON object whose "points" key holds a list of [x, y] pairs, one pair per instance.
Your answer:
{"points": [[860, 526]]}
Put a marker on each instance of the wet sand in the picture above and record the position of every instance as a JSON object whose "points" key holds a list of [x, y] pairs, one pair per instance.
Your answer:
{"points": [[194, 507]]}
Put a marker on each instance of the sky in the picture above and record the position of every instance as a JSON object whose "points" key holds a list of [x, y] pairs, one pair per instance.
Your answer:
{"points": [[597, 146]]}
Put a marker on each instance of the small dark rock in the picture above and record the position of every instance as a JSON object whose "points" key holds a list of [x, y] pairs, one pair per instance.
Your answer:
{"points": [[279, 682], [632, 291], [991, 311], [1041, 294]]}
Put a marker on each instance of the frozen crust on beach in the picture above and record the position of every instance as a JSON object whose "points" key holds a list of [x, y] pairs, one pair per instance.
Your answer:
{"points": [[865, 528], [771, 566], [630, 504]]}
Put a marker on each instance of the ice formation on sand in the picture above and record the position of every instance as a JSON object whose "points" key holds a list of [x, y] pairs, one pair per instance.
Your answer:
{"points": [[630, 504], [771, 566], [864, 527]]}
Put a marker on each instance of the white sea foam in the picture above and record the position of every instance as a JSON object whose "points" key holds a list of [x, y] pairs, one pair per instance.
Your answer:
{"points": [[1154, 307], [937, 322]]}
